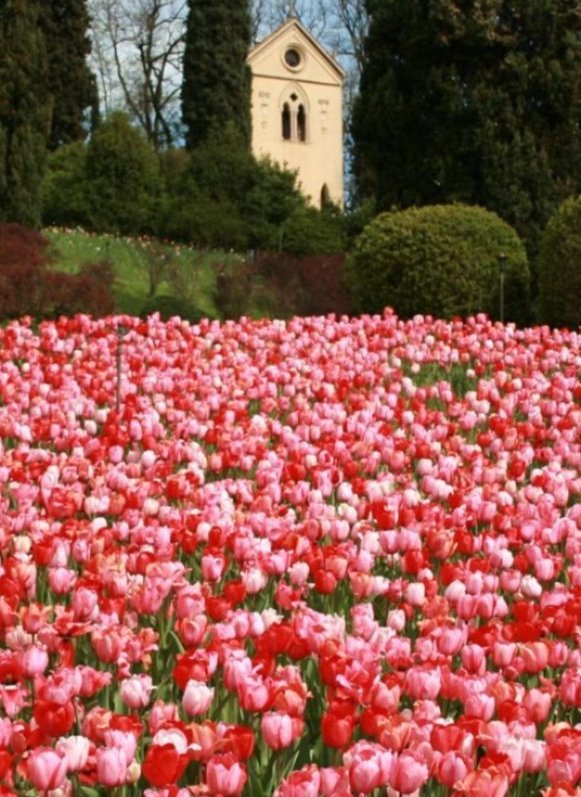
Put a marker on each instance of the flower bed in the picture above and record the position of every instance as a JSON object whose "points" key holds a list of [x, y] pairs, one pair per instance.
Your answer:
{"points": [[322, 557]]}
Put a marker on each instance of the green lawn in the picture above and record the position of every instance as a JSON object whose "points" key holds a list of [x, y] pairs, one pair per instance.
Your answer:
{"points": [[194, 272]]}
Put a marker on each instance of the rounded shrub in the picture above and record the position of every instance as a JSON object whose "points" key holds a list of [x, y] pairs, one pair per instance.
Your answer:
{"points": [[123, 178], [64, 187], [441, 260], [559, 267]]}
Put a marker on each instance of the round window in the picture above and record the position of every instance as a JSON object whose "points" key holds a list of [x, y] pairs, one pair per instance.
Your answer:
{"points": [[292, 57]]}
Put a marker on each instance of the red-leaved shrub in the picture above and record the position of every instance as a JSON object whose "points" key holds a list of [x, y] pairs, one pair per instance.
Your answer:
{"points": [[89, 291], [23, 269], [279, 284], [29, 285]]}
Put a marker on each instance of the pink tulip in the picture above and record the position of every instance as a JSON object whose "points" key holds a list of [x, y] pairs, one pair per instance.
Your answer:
{"points": [[111, 766], [535, 756], [305, 782], [408, 773], [136, 691], [452, 768], [480, 705], [33, 661], [253, 694], [61, 580], [46, 768], [107, 644], [192, 630], [530, 587], [364, 623], [423, 683], [396, 619], [538, 704], [535, 656], [484, 783], [126, 741], [503, 653], [369, 766], [75, 750], [280, 730], [225, 775], [473, 658], [212, 567], [450, 641], [197, 697], [334, 780]]}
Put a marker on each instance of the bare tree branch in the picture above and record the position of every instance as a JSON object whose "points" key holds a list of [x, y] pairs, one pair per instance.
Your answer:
{"points": [[354, 21], [138, 50], [138, 46]]}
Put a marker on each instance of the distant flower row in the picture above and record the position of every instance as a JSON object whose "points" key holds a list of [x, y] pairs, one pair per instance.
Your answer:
{"points": [[145, 241], [322, 557]]}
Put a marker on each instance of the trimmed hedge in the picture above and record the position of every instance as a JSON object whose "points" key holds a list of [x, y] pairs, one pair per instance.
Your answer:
{"points": [[440, 260], [559, 267]]}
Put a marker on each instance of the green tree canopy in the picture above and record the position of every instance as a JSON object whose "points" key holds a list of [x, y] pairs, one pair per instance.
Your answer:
{"points": [[25, 109], [471, 101], [216, 78], [560, 267], [123, 179], [221, 196], [64, 188]]}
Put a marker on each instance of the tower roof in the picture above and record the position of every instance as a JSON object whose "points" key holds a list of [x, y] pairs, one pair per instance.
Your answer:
{"points": [[293, 24]]}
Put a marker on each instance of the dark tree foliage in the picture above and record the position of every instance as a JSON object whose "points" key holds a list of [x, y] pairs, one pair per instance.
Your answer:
{"points": [[74, 88], [471, 101], [560, 267], [216, 78], [25, 108]]}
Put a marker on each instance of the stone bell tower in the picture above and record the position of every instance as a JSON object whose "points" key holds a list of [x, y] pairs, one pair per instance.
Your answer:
{"points": [[297, 113]]}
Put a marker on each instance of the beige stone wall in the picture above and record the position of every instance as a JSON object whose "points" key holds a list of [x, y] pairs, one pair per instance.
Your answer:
{"points": [[316, 83]]}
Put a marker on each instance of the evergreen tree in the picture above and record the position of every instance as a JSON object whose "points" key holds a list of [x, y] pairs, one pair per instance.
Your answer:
{"points": [[25, 108], [65, 24], [471, 101], [216, 80]]}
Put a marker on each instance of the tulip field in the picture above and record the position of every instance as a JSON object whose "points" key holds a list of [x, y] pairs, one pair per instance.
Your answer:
{"points": [[324, 557]]}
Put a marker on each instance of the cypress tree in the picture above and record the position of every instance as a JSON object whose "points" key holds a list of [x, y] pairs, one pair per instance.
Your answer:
{"points": [[472, 102], [216, 78], [65, 24], [25, 109]]}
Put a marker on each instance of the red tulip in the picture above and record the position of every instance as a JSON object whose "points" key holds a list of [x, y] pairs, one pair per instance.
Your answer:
{"points": [[163, 765], [52, 718], [337, 730]]}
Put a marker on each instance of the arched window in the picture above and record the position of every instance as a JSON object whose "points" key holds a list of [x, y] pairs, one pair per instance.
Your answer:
{"points": [[301, 123], [286, 122], [294, 115], [325, 196]]}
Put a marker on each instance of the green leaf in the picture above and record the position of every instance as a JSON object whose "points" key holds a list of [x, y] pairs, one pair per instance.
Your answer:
{"points": [[87, 791]]}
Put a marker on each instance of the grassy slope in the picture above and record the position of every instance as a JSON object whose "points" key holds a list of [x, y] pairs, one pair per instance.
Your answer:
{"points": [[72, 248]]}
